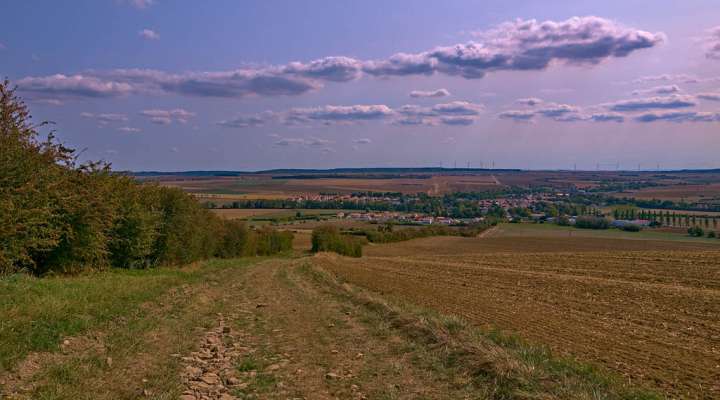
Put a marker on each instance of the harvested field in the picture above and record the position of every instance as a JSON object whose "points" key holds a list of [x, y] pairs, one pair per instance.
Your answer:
{"points": [[651, 316]]}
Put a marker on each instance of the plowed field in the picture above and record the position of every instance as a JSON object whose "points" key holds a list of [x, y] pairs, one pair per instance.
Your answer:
{"points": [[653, 316]]}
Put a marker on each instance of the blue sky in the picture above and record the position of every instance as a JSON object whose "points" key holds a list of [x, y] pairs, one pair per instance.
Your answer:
{"points": [[180, 85]]}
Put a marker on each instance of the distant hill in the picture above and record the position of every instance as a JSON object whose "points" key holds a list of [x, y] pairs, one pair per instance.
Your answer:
{"points": [[326, 172]]}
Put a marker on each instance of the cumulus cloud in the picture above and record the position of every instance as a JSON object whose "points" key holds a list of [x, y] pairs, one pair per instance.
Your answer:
{"points": [[712, 96], [402, 64], [128, 129], [335, 69], [517, 115], [429, 93], [678, 116], [105, 118], [228, 84], [680, 78], [166, 117], [362, 141], [518, 45], [529, 101], [334, 114], [713, 44], [296, 141], [240, 83], [607, 117], [665, 89], [140, 4], [73, 86], [532, 45], [558, 112], [650, 103], [453, 113], [244, 121], [149, 34], [553, 110]]}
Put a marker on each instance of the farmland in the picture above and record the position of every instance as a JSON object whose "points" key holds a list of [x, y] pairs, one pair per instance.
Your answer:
{"points": [[651, 315]]}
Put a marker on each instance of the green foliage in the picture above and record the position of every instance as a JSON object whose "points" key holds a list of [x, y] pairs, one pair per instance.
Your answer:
{"points": [[696, 231], [588, 222], [631, 228], [329, 238], [60, 217]]}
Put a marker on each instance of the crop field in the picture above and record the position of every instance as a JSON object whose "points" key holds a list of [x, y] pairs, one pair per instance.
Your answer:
{"points": [[651, 316]]}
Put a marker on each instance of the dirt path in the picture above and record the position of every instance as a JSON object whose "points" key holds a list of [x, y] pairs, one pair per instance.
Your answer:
{"points": [[284, 337]]}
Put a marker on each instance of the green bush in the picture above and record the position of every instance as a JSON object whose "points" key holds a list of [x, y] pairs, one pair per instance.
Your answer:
{"points": [[711, 235], [329, 238], [631, 228], [588, 222], [696, 231]]}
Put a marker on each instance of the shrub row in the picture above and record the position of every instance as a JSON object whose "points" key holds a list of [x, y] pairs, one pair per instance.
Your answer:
{"points": [[329, 238], [385, 234], [60, 216]]}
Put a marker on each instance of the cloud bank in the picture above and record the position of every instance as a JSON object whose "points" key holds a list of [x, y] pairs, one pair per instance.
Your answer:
{"points": [[520, 45]]}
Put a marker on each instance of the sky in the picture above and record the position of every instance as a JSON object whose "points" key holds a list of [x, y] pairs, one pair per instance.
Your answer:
{"points": [[247, 85]]}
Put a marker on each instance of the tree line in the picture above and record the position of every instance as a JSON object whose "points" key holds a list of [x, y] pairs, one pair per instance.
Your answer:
{"points": [[58, 215]]}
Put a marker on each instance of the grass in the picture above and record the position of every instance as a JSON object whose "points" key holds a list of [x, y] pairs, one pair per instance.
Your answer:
{"points": [[36, 314]]}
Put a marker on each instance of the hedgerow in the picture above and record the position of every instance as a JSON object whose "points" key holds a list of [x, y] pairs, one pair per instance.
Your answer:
{"points": [[59, 216]]}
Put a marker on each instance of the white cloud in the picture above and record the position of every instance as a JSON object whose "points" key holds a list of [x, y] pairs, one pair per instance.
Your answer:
{"points": [[140, 4], [713, 44], [105, 118], [166, 117], [149, 34], [430, 93], [513, 46], [666, 89], [650, 103], [128, 129]]}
